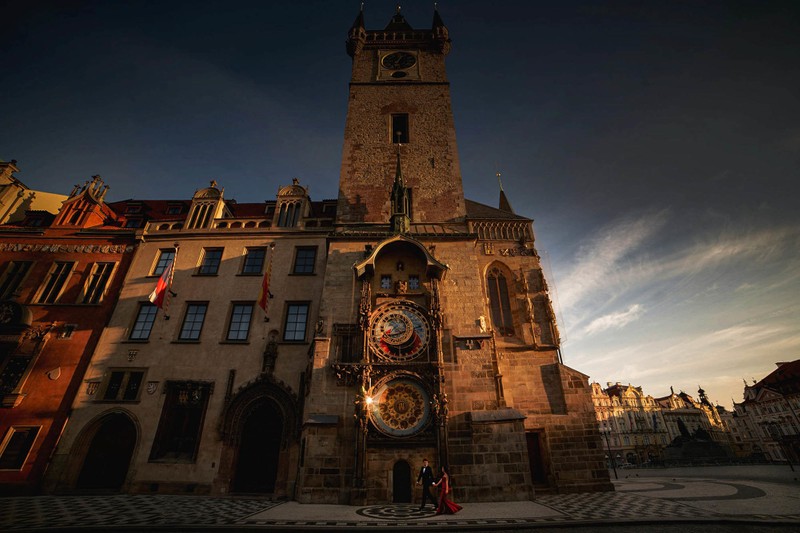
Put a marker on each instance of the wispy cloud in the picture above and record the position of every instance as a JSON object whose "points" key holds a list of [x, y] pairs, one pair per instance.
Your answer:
{"points": [[601, 255], [616, 320]]}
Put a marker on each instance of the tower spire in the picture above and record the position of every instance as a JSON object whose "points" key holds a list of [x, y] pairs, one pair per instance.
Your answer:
{"points": [[400, 220], [505, 205]]}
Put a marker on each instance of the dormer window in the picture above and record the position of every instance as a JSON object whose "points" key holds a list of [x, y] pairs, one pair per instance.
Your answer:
{"points": [[201, 215], [130, 209], [174, 209], [133, 223], [289, 215]]}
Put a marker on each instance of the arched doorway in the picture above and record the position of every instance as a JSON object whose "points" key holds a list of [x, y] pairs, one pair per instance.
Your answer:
{"points": [[259, 450], [401, 482], [108, 457]]}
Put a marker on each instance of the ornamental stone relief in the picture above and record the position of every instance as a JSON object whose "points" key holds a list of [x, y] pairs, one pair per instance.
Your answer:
{"points": [[67, 248]]}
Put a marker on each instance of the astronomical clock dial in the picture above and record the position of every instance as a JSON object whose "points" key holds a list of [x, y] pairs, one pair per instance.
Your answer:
{"points": [[398, 332], [400, 407]]}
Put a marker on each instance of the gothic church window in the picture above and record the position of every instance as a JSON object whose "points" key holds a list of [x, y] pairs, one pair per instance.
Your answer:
{"points": [[499, 302]]}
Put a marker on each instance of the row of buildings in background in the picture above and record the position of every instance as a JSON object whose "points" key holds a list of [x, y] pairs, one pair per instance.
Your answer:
{"points": [[641, 430]]}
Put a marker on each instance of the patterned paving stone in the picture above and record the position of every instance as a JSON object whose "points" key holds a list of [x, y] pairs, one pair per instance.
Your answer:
{"points": [[124, 510], [615, 505]]}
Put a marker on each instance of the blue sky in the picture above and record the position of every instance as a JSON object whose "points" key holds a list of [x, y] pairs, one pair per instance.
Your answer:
{"points": [[655, 144]]}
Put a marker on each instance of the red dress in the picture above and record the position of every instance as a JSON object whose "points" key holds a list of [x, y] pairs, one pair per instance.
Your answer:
{"points": [[445, 505]]}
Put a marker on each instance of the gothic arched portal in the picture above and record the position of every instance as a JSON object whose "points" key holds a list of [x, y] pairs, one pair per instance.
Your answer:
{"points": [[111, 441], [259, 427]]}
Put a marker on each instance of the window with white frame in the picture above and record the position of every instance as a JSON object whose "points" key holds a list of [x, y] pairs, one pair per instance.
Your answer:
{"points": [[55, 281], [96, 284]]}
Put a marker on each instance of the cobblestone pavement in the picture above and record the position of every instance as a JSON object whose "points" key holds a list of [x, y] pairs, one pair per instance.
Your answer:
{"points": [[635, 500]]}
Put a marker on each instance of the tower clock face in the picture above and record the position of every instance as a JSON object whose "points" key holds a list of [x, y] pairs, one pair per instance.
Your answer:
{"points": [[398, 332], [398, 60]]}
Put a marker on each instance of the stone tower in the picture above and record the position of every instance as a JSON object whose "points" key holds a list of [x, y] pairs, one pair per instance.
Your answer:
{"points": [[399, 95], [436, 337]]}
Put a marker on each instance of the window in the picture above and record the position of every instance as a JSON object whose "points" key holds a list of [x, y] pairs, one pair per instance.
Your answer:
{"points": [[239, 326], [165, 257], [201, 215], [399, 133], [254, 261], [123, 385], [289, 214], [97, 283], [12, 373], [347, 343], [386, 282], [178, 436], [133, 222], [14, 274], [193, 321], [55, 282], [211, 260], [294, 328], [304, 260], [174, 209], [499, 302], [16, 446], [413, 283], [144, 322]]}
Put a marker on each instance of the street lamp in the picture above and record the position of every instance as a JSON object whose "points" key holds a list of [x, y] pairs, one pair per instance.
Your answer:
{"points": [[605, 431]]}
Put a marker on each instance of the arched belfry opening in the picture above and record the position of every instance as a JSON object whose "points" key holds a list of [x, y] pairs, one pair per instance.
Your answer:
{"points": [[259, 432]]}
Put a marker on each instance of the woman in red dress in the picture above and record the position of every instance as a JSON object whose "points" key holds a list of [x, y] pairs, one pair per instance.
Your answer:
{"points": [[445, 505]]}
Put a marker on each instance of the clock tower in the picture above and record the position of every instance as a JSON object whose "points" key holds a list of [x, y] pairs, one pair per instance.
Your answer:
{"points": [[399, 99], [435, 336]]}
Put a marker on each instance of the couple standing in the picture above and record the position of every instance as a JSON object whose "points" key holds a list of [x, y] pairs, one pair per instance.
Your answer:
{"points": [[426, 478]]}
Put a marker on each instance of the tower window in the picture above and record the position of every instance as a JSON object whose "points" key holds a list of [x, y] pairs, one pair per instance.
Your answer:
{"points": [[499, 302], [399, 132]]}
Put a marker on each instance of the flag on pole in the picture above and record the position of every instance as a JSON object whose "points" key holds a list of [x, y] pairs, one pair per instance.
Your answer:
{"points": [[160, 295], [263, 296]]}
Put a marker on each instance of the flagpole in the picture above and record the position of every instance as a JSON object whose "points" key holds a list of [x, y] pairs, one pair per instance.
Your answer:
{"points": [[168, 296], [264, 295]]}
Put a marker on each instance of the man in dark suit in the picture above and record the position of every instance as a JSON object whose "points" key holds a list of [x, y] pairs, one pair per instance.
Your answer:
{"points": [[425, 477]]}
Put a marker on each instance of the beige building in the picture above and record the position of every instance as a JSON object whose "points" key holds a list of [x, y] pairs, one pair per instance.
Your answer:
{"points": [[16, 198], [767, 423], [165, 387]]}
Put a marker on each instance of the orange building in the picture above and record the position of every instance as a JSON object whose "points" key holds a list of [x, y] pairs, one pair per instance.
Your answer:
{"points": [[59, 280]]}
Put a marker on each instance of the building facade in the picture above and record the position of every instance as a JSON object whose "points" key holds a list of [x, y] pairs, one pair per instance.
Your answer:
{"points": [[767, 423], [59, 280], [16, 198], [403, 322]]}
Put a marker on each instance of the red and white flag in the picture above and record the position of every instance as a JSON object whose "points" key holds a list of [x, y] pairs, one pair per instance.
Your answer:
{"points": [[159, 294]]}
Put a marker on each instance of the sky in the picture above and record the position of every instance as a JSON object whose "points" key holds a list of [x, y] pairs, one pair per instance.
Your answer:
{"points": [[656, 145]]}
